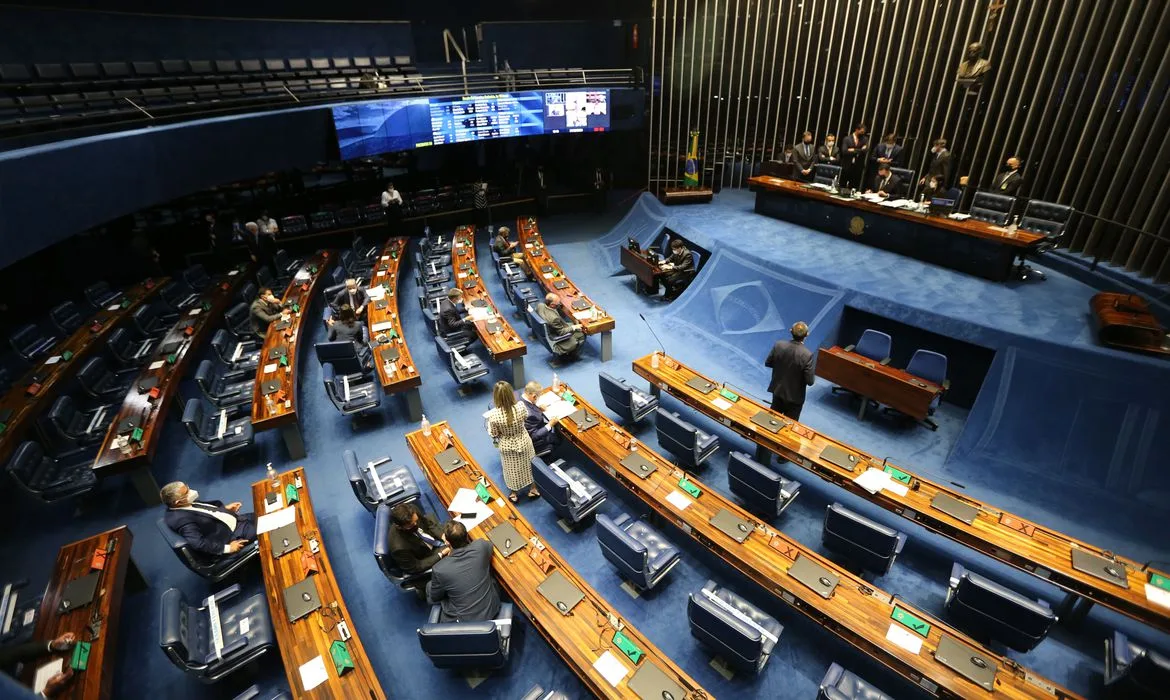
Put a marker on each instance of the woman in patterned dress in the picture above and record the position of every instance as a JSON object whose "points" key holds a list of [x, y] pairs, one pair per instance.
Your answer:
{"points": [[506, 426]]}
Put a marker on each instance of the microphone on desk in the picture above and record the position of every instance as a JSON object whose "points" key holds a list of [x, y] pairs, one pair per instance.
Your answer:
{"points": [[660, 345], [1146, 566]]}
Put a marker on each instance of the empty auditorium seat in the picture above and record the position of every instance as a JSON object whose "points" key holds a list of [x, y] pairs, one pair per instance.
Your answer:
{"points": [[627, 402], [379, 481], [571, 492], [80, 427], [345, 356], [825, 174], [761, 489], [47, 478], [218, 432], [727, 624], [1047, 218], [350, 394], [128, 350], [988, 611], [464, 366], [186, 637], [991, 207], [30, 342], [641, 554], [841, 684], [689, 445], [481, 645], [239, 319], [222, 387], [98, 380], [1134, 672], [869, 545], [932, 367], [292, 225], [237, 355]]}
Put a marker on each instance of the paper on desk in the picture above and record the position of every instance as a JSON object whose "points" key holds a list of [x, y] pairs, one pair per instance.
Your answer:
{"points": [[897, 202], [548, 275], [904, 638], [959, 217], [46, 671], [156, 365], [113, 307], [302, 275], [896, 487], [584, 314], [611, 668], [678, 500], [546, 399], [872, 480], [467, 501], [559, 409], [383, 326], [271, 521], [53, 360], [376, 293], [270, 367], [480, 313], [233, 273], [313, 673], [194, 312], [721, 403], [1157, 596]]}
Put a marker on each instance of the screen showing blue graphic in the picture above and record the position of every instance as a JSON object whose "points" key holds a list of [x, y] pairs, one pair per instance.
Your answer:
{"points": [[479, 117]]}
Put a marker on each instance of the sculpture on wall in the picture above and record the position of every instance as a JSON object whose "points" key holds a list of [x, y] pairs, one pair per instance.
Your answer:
{"points": [[973, 69]]}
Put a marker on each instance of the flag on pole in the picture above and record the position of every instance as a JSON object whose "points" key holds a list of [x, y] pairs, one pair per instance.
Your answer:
{"points": [[691, 175]]}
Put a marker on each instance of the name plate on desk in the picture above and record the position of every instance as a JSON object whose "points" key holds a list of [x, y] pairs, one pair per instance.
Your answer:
{"points": [[1102, 568], [732, 525], [583, 419], [650, 683], [701, 385], [954, 507], [449, 460], [768, 422], [818, 578], [506, 538], [838, 456], [967, 662]]}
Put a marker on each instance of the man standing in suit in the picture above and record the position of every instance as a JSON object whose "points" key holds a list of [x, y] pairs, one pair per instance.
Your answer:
{"points": [[792, 371], [939, 165], [885, 182], [416, 540], [805, 155], [550, 313], [1008, 182], [462, 583], [265, 309], [451, 322], [13, 654], [209, 527], [856, 148], [829, 153], [353, 295], [888, 152], [539, 428]]}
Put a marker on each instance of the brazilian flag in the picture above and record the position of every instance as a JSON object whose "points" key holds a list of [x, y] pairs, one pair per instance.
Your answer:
{"points": [[691, 176]]}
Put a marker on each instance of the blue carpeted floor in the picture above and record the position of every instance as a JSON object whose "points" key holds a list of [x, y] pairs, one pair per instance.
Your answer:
{"points": [[1013, 448]]}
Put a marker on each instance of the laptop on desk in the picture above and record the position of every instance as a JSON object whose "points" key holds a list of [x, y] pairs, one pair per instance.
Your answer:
{"points": [[301, 598], [284, 539], [506, 538], [449, 460], [838, 456], [389, 354], [732, 525], [561, 592], [638, 465], [768, 421], [79, 592], [584, 420], [967, 662], [954, 507], [650, 683], [818, 578], [701, 385], [1104, 569]]}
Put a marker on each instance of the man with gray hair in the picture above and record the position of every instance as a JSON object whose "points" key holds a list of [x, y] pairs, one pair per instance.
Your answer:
{"points": [[570, 333], [353, 295], [539, 428], [210, 527]]}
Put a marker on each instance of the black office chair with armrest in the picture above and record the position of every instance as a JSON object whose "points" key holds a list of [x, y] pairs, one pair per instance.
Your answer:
{"points": [[689, 445], [213, 567], [842, 684], [379, 482], [236, 354], [239, 319], [30, 342], [867, 544], [47, 478], [224, 388], [178, 295], [336, 283], [629, 403], [743, 638], [523, 295], [761, 489], [267, 280], [130, 352], [1048, 218], [286, 266], [988, 611], [196, 277], [906, 183], [359, 268], [102, 383], [247, 293], [824, 174], [80, 428], [1134, 672], [483, 645], [100, 295], [993, 208], [66, 317], [221, 431], [255, 693], [150, 320], [416, 581], [573, 495], [464, 366], [186, 636], [537, 692], [346, 357], [639, 552], [350, 393]]}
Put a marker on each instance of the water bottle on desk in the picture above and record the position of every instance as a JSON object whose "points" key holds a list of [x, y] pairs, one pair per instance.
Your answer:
{"points": [[272, 477], [1013, 226], [556, 386], [654, 360], [426, 426]]}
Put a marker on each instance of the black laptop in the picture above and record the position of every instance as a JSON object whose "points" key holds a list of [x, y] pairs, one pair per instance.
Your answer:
{"points": [[506, 538], [301, 598], [638, 465], [583, 419], [768, 421], [954, 507], [79, 592], [818, 578], [284, 539], [838, 456], [967, 662], [701, 385], [732, 525], [1102, 568], [561, 592], [449, 460], [650, 683]]}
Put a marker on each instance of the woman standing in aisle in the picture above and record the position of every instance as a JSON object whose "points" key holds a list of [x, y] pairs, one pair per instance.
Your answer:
{"points": [[506, 426]]}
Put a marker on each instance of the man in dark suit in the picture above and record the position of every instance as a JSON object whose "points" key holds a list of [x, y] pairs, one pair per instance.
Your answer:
{"points": [[677, 269], [550, 313], [830, 152], [416, 540], [888, 152], [1008, 182], [462, 582], [451, 321], [885, 182], [805, 156], [539, 428], [854, 155], [265, 309], [13, 654], [792, 371], [353, 295], [261, 245], [209, 527], [939, 164]]}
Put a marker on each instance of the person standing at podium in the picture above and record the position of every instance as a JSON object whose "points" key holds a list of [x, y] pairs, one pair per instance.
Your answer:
{"points": [[792, 372]]}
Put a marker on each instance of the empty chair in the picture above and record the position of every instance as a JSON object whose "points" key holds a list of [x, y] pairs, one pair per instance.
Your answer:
{"points": [[689, 445], [265, 278], [523, 295], [378, 482], [824, 174], [875, 345], [537, 692], [640, 553], [185, 633], [993, 208], [177, 295], [254, 692], [127, 350], [988, 611], [464, 366], [727, 624], [99, 294], [220, 432], [1133, 671], [284, 264], [336, 277], [350, 394], [102, 383], [149, 320], [222, 387], [760, 488], [480, 645], [247, 293], [66, 317], [869, 545], [239, 319], [570, 491], [47, 478], [214, 568], [30, 342], [629, 403], [196, 277], [238, 355], [354, 266], [842, 684], [406, 580], [293, 224], [80, 428], [346, 357], [1048, 218], [932, 367]]}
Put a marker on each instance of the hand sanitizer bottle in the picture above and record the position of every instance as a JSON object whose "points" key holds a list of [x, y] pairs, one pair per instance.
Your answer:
{"points": [[426, 426], [654, 360], [272, 477], [556, 383]]}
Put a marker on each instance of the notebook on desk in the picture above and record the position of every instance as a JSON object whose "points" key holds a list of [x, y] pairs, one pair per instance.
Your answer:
{"points": [[560, 284], [768, 422], [506, 538], [966, 662], [732, 525], [389, 354], [79, 592], [818, 578], [277, 351], [449, 460], [650, 683], [583, 419], [561, 592], [284, 539], [639, 465], [701, 385], [301, 598], [1104, 569]]}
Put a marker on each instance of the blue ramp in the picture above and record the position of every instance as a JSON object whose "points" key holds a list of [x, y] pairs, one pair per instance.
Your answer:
{"points": [[643, 222]]}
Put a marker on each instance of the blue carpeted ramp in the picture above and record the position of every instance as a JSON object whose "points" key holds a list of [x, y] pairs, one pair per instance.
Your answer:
{"points": [[643, 223]]}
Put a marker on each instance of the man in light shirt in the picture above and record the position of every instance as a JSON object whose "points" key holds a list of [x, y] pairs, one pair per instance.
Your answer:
{"points": [[209, 527], [392, 205]]}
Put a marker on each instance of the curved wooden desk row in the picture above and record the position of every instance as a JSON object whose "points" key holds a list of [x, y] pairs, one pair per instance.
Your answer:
{"points": [[887, 385], [274, 393], [854, 610], [552, 279], [1030, 547], [1124, 321], [315, 634], [579, 638], [397, 374], [133, 436], [498, 336], [18, 408]]}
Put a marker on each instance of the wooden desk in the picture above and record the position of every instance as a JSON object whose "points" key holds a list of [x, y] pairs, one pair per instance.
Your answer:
{"points": [[856, 611], [96, 623], [645, 270], [165, 370], [579, 639], [548, 273], [970, 246], [83, 343], [504, 344], [400, 375], [279, 409], [1124, 321], [1025, 545], [887, 385], [311, 636]]}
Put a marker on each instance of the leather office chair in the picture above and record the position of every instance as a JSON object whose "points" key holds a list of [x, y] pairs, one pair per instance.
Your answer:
{"points": [[398, 485], [255, 693], [346, 357], [80, 428], [102, 383], [641, 554], [865, 543], [483, 645], [675, 287], [285, 265], [742, 645], [237, 355], [627, 402], [66, 317], [239, 319], [293, 224], [204, 428], [993, 208], [841, 684], [537, 692], [824, 174], [361, 249], [875, 345], [350, 394], [47, 478], [689, 445], [322, 220], [185, 633], [986, 610], [523, 295], [214, 568], [247, 293], [542, 333], [932, 367], [30, 342], [336, 283], [222, 387], [100, 295], [267, 280], [355, 267], [407, 581], [129, 351], [467, 367], [574, 505], [149, 320], [1134, 672], [1048, 218], [761, 489], [177, 295], [196, 277]]}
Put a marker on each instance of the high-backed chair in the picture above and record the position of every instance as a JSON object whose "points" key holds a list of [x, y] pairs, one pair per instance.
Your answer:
{"points": [[214, 568], [196, 277], [224, 388], [641, 554], [379, 481], [99, 294], [743, 638], [761, 489], [824, 174], [293, 224], [247, 293], [1048, 218], [869, 545], [345, 356], [464, 366], [255, 693], [1134, 672], [361, 248], [127, 350], [286, 266], [991, 207], [149, 320], [99, 381], [906, 183], [523, 295], [47, 478], [177, 295], [572, 494], [483, 645], [336, 283], [219, 432], [238, 319], [873, 344], [235, 354], [542, 332], [359, 268], [932, 367], [988, 611], [350, 394], [630, 404], [842, 684], [66, 317], [405, 580], [267, 280], [679, 282], [537, 692], [80, 428], [185, 633], [689, 445], [30, 342]]}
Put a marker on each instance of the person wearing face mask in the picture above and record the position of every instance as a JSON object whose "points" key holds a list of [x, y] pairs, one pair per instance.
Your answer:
{"points": [[939, 164], [885, 182], [888, 152], [829, 153], [1008, 182], [415, 540], [265, 309], [804, 154], [209, 527], [932, 189]]}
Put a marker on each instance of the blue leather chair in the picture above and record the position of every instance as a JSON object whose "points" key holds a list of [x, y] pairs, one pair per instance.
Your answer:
{"points": [[842, 684], [573, 505], [906, 183], [30, 342], [932, 367], [541, 330], [689, 445], [222, 387], [1048, 218], [235, 354], [346, 356], [824, 174], [204, 428], [641, 554], [80, 428], [66, 317], [991, 207], [336, 277], [267, 280], [239, 319], [214, 568], [986, 610], [99, 294], [1133, 671], [186, 637], [405, 580], [398, 485], [469, 369], [523, 295], [148, 319], [177, 295], [129, 351], [746, 647], [196, 277], [760, 488], [481, 645], [255, 693], [875, 345], [103, 384], [870, 545], [358, 268], [361, 249], [47, 478], [350, 393], [537, 692], [247, 293], [629, 403], [285, 265]]}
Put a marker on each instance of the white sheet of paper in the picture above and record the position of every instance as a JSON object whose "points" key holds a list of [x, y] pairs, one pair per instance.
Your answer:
{"points": [[271, 367], [559, 409], [480, 313], [896, 487], [302, 275], [194, 312], [46, 671], [959, 217], [904, 638], [383, 326], [461, 275], [872, 480], [53, 360], [1157, 596], [583, 314], [721, 403], [546, 399], [244, 625], [275, 519], [467, 501], [233, 273], [313, 673], [376, 293], [114, 307], [385, 257], [548, 275], [611, 668], [678, 500], [156, 365]]}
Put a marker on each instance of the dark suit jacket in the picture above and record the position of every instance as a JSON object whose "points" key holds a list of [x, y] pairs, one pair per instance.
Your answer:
{"points": [[805, 161], [360, 298], [536, 425], [862, 145], [889, 187], [12, 654], [682, 261], [344, 331], [1008, 182], [939, 165], [894, 153], [204, 533], [262, 246], [263, 313], [410, 552], [792, 370], [824, 155], [451, 320], [462, 584]]}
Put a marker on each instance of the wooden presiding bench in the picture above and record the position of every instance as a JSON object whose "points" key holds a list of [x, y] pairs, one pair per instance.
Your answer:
{"points": [[395, 368], [498, 336]]}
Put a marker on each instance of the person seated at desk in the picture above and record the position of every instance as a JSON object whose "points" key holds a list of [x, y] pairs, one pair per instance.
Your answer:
{"points": [[519, 262], [550, 312], [885, 182], [932, 189], [451, 322], [539, 428], [416, 540], [461, 583], [354, 296], [209, 527], [677, 269], [13, 654], [501, 244], [265, 309]]}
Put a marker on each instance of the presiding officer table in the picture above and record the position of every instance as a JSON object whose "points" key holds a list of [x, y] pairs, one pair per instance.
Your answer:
{"points": [[1025, 545], [396, 371], [887, 385], [970, 246], [583, 636], [497, 335], [644, 268], [315, 634], [866, 617]]}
